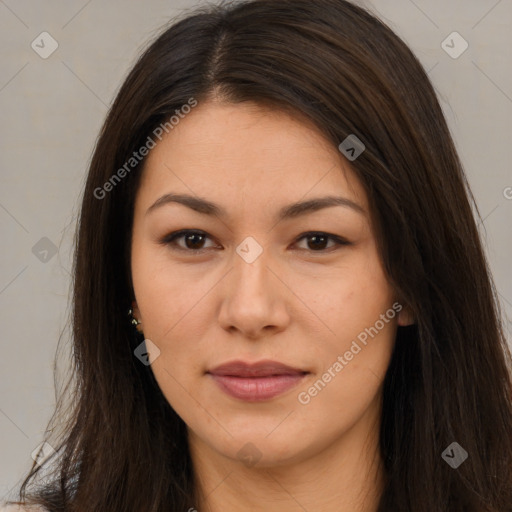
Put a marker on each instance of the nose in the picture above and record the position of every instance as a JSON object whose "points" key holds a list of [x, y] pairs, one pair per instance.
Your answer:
{"points": [[254, 299]]}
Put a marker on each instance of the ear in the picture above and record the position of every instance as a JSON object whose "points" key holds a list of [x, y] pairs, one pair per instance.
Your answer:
{"points": [[135, 310], [405, 317]]}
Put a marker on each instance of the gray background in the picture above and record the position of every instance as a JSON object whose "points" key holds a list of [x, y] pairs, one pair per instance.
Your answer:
{"points": [[52, 110]]}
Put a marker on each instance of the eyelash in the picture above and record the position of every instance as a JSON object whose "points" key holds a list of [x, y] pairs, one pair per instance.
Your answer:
{"points": [[170, 240]]}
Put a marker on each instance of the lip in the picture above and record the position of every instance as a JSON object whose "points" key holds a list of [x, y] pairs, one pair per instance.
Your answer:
{"points": [[264, 368], [256, 382]]}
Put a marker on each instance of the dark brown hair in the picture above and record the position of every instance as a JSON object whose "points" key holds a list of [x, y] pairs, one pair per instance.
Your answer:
{"points": [[122, 446]]}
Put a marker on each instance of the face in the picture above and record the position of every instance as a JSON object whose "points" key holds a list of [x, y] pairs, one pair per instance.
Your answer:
{"points": [[250, 279]]}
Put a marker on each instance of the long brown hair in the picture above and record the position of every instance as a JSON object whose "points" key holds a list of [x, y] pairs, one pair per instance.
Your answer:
{"points": [[122, 446]]}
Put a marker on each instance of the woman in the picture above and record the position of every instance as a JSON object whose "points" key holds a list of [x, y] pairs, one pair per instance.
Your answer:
{"points": [[276, 199]]}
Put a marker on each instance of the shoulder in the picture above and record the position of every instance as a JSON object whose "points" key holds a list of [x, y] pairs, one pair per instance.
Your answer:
{"points": [[21, 508]]}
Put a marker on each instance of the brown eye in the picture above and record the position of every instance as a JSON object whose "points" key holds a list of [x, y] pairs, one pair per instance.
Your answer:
{"points": [[193, 241], [317, 242]]}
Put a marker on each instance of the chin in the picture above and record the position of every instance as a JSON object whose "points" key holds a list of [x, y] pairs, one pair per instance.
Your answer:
{"points": [[270, 448]]}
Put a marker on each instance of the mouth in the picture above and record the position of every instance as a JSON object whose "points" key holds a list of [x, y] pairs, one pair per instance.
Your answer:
{"points": [[256, 382]]}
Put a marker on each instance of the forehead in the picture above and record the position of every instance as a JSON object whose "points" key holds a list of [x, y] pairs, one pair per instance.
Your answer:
{"points": [[226, 151]]}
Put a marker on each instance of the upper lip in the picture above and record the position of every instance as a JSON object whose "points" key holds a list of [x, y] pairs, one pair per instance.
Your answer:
{"points": [[264, 368]]}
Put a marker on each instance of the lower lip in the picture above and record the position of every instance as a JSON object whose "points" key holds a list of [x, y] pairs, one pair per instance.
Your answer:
{"points": [[257, 389]]}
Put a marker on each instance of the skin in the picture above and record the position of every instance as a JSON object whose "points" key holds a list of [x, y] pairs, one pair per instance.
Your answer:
{"points": [[296, 303]]}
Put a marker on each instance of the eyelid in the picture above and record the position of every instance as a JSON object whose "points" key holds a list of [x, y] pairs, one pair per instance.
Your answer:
{"points": [[169, 240]]}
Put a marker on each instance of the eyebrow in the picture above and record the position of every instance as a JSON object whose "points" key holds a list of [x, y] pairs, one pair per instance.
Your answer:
{"points": [[293, 210]]}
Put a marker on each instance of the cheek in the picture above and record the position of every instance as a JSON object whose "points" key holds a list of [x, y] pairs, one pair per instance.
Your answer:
{"points": [[357, 307], [354, 360], [166, 293], [176, 309], [353, 298]]}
